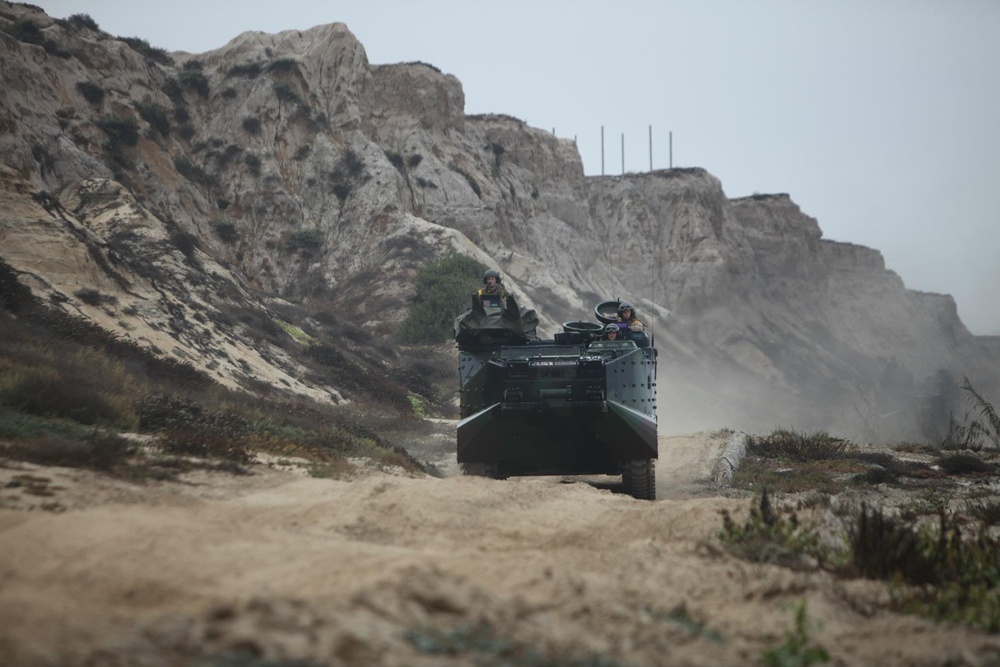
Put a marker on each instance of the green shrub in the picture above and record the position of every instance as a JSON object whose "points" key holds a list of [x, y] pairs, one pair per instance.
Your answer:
{"points": [[91, 92], [193, 172], [799, 649], [154, 53], [93, 297], [207, 446], [768, 536], [83, 21], [423, 64], [353, 163], [786, 444], [470, 180], [186, 242], [14, 295], [115, 153], [95, 450], [29, 33], [156, 115], [480, 644], [975, 432], [50, 394], [172, 89], [341, 190], [43, 157], [251, 125], [283, 65], [305, 239], [443, 289], [225, 230], [194, 79], [252, 162], [17, 425], [121, 130], [957, 575], [286, 93], [248, 71], [397, 161]]}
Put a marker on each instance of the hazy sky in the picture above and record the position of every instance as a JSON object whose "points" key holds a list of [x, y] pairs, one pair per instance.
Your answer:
{"points": [[881, 118]]}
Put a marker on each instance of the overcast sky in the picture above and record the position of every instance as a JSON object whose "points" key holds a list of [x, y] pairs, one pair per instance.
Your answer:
{"points": [[881, 118]]}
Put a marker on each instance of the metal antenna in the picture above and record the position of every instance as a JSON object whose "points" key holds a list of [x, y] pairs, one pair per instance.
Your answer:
{"points": [[623, 153], [602, 150]]}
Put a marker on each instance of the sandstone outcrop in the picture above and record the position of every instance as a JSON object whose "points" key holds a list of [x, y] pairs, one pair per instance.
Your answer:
{"points": [[289, 166]]}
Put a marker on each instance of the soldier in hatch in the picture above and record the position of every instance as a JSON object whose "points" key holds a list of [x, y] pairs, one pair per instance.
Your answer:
{"points": [[612, 332], [493, 294], [627, 314]]}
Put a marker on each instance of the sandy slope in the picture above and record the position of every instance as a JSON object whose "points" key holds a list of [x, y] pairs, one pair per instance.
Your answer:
{"points": [[337, 572]]}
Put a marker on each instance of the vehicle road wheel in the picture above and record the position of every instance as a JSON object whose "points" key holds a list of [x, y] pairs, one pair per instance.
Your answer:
{"points": [[639, 479], [481, 470]]}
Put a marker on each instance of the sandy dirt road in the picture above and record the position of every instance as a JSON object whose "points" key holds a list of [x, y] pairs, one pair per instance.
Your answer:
{"points": [[394, 570]]}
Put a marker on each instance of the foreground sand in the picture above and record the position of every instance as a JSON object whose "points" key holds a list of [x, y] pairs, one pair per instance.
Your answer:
{"points": [[367, 571]]}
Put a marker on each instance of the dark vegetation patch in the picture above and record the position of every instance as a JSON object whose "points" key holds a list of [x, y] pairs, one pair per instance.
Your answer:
{"points": [[83, 21], [282, 66], [286, 93], [246, 71], [252, 161], [443, 292], [172, 88], [121, 130], [423, 64], [495, 116], [29, 32], [935, 546], [156, 115], [67, 387], [193, 172], [481, 644], [91, 92], [790, 462], [469, 179], [305, 240], [154, 53], [225, 229], [348, 172], [194, 79]]}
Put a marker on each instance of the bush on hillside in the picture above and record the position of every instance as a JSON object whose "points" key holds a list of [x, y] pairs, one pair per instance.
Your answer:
{"points": [[443, 289], [156, 115], [91, 92]]}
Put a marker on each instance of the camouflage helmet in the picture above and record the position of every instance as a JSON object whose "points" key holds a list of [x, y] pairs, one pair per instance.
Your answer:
{"points": [[623, 305], [612, 328], [492, 273]]}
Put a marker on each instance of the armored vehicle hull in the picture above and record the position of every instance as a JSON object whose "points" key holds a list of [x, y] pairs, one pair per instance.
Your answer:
{"points": [[573, 405]]}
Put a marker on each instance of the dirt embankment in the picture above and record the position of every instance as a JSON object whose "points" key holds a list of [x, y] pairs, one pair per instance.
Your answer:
{"points": [[392, 570]]}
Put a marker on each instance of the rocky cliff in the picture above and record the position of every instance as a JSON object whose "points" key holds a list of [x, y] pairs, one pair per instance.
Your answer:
{"points": [[286, 168]]}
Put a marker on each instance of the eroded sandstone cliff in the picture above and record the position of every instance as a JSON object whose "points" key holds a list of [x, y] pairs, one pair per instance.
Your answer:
{"points": [[287, 165]]}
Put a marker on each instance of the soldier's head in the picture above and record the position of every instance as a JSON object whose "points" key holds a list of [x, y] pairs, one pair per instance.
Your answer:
{"points": [[612, 332], [492, 278], [625, 311]]}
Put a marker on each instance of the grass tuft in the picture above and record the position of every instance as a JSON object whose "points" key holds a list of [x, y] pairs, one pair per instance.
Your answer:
{"points": [[768, 536]]}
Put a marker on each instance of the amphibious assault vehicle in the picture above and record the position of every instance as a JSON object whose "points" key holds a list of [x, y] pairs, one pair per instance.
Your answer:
{"points": [[573, 405]]}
